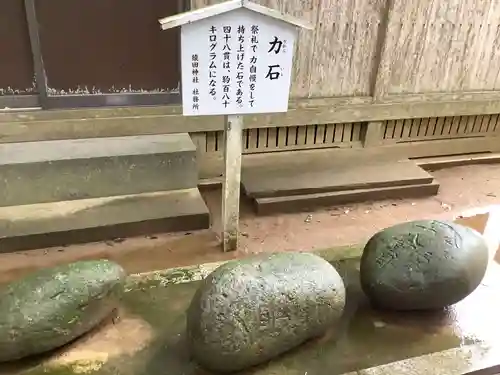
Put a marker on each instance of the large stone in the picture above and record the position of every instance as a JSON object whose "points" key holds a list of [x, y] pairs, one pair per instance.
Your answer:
{"points": [[422, 265], [52, 307], [71, 169], [247, 312]]}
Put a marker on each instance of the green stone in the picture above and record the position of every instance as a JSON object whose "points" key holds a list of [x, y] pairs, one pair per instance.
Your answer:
{"points": [[53, 307], [422, 265], [249, 311]]}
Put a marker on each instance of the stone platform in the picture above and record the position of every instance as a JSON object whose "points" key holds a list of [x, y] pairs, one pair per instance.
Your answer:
{"points": [[71, 191], [148, 338], [303, 182]]}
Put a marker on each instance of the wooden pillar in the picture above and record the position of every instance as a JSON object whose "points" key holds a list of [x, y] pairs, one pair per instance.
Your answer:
{"points": [[373, 135], [233, 132]]}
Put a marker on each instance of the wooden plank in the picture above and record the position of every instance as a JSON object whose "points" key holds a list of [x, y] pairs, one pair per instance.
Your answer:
{"points": [[485, 124], [281, 134], [299, 114], [407, 126], [389, 130], [345, 47], [346, 133], [423, 128], [301, 135], [373, 135], [251, 139], [447, 125], [357, 129], [462, 128], [211, 141], [398, 129], [438, 129], [262, 138], [470, 124], [219, 141], [200, 141], [211, 165], [415, 128], [338, 132], [494, 123], [172, 121], [330, 133], [455, 125], [477, 124], [320, 134], [272, 138], [291, 135], [434, 48], [310, 135]]}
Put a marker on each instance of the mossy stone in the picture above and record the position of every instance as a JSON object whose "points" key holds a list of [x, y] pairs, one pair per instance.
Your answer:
{"points": [[249, 311], [422, 265], [52, 307]]}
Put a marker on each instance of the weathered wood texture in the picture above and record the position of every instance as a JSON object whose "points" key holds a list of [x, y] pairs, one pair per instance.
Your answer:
{"points": [[292, 138], [485, 129], [306, 10], [386, 47], [434, 46], [345, 47]]}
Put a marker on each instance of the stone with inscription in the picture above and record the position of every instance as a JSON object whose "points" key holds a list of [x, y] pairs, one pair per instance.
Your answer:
{"points": [[422, 265], [249, 311]]}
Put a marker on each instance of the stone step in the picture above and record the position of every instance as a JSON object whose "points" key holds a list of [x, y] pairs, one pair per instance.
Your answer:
{"points": [[51, 171], [307, 202], [317, 175], [441, 162], [98, 219]]}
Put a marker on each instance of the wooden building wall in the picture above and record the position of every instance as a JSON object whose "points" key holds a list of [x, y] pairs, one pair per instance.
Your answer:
{"points": [[386, 72], [410, 78], [393, 47]]}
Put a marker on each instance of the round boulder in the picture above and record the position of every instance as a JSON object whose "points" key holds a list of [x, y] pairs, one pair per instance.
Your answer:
{"points": [[422, 265], [52, 307], [249, 311]]}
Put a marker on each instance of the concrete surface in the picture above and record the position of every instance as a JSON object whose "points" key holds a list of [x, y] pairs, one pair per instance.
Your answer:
{"points": [[306, 202], [276, 176], [148, 339], [98, 219], [51, 171], [462, 188]]}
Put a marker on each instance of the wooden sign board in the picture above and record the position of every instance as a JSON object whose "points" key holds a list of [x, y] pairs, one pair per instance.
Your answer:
{"points": [[239, 62], [236, 59]]}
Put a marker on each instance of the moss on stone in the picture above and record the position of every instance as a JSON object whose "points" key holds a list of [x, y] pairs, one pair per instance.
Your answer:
{"points": [[52, 307], [366, 337]]}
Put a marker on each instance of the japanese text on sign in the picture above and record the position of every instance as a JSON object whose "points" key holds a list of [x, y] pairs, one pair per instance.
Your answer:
{"points": [[241, 62]]}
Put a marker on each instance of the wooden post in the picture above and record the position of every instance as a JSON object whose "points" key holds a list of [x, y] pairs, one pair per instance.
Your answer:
{"points": [[373, 135], [233, 132], [254, 78]]}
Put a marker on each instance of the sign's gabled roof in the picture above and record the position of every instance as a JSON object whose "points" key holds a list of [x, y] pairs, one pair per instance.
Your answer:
{"points": [[214, 10]]}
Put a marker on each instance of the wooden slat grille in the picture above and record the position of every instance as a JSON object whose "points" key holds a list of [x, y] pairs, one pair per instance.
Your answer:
{"points": [[292, 137], [409, 130]]}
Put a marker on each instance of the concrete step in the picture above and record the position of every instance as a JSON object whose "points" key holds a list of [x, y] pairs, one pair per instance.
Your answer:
{"points": [[307, 202], [97, 219], [320, 176], [52, 171], [440, 162]]}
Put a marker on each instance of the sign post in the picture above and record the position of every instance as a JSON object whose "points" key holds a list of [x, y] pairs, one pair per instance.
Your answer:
{"points": [[236, 59]]}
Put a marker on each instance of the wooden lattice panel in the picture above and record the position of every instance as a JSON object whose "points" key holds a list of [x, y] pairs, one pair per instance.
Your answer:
{"points": [[440, 128], [292, 137]]}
